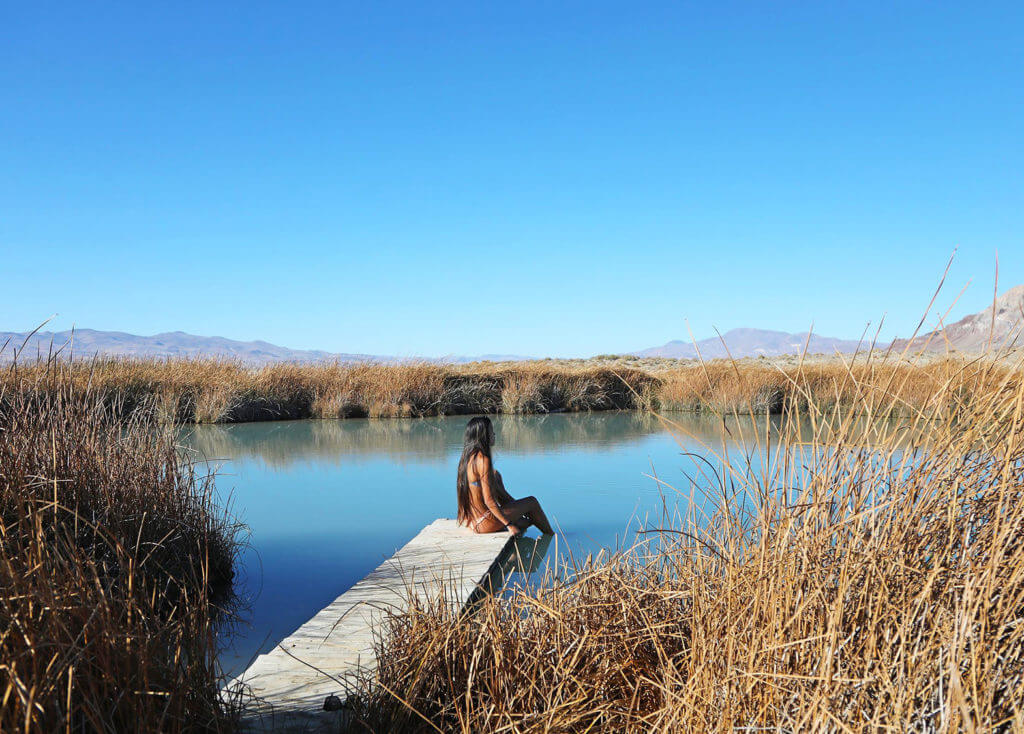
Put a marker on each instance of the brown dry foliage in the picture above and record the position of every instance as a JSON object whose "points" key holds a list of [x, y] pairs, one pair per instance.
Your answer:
{"points": [[866, 577], [115, 566], [211, 391]]}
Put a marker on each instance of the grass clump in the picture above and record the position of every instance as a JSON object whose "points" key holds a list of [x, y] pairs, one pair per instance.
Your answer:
{"points": [[865, 576], [115, 567], [216, 391], [213, 391]]}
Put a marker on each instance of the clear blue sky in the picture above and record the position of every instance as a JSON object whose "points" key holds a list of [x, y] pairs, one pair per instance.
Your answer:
{"points": [[532, 178]]}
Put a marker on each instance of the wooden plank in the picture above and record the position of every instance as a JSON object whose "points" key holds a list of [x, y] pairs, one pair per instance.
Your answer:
{"points": [[332, 653]]}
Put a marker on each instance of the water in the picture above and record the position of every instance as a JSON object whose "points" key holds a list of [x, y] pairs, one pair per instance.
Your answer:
{"points": [[327, 500]]}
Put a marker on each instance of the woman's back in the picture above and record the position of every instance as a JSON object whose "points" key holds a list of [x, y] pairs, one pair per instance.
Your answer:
{"points": [[478, 468], [484, 504]]}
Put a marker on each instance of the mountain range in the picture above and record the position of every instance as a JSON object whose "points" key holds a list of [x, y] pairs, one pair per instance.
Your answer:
{"points": [[88, 343], [751, 343], [178, 345], [969, 334], [170, 345], [978, 331]]}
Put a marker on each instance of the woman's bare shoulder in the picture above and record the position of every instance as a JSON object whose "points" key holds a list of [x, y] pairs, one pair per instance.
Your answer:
{"points": [[480, 463]]}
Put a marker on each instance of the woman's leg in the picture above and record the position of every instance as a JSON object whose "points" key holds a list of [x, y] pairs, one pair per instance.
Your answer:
{"points": [[528, 507]]}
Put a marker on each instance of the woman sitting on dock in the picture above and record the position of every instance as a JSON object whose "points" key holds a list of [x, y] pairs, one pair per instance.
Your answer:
{"points": [[484, 504]]}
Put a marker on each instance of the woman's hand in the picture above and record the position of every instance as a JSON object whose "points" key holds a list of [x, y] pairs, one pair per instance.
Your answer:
{"points": [[513, 530]]}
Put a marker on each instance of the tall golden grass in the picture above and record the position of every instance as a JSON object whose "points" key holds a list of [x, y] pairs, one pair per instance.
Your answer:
{"points": [[211, 391], [865, 576], [115, 568]]}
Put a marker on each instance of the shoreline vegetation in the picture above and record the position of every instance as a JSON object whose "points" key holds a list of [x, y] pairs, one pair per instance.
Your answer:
{"points": [[116, 567], [843, 573], [216, 391], [868, 576]]}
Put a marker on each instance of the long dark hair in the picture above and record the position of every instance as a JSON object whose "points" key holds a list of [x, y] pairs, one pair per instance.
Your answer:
{"points": [[479, 439]]}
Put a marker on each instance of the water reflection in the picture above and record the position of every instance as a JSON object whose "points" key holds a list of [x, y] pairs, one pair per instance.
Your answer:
{"points": [[328, 500], [282, 443], [523, 557]]}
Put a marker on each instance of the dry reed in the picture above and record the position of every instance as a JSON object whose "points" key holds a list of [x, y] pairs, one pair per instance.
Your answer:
{"points": [[115, 566], [211, 391], [868, 576]]}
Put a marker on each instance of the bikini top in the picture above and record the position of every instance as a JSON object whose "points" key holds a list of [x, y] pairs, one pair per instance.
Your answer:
{"points": [[477, 482]]}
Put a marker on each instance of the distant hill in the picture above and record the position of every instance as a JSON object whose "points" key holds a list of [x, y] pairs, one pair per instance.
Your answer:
{"points": [[486, 358], [179, 345], [174, 344], [971, 333], [751, 343]]}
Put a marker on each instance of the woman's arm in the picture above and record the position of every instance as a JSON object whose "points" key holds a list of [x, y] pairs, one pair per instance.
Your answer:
{"points": [[498, 488], [484, 472]]}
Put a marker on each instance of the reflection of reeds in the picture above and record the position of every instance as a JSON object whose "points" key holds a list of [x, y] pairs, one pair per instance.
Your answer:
{"points": [[210, 391], [113, 565], [427, 440], [858, 574]]}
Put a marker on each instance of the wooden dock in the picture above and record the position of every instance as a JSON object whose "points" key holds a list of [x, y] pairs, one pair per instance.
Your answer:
{"points": [[332, 654]]}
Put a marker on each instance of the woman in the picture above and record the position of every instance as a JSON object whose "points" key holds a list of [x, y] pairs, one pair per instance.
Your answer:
{"points": [[484, 505]]}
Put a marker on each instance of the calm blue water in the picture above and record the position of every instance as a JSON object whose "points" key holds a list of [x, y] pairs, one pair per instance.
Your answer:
{"points": [[327, 500]]}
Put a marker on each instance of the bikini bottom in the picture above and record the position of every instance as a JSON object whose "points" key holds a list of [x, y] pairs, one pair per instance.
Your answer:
{"points": [[487, 523]]}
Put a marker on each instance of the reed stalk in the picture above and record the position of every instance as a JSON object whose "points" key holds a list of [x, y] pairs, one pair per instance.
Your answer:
{"points": [[865, 575], [212, 391], [116, 567]]}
